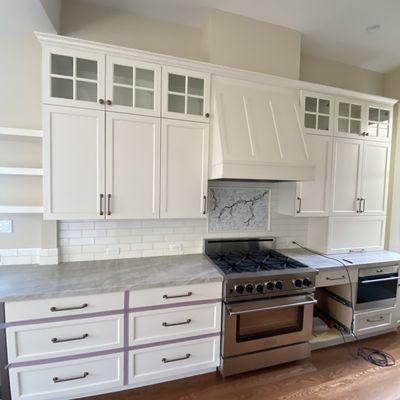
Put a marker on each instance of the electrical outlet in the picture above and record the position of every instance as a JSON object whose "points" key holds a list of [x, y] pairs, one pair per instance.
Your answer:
{"points": [[6, 226], [113, 251], [176, 247]]}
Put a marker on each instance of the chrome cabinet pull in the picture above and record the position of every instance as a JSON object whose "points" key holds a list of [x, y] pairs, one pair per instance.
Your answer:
{"points": [[188, 294], [375, 320], [109, 204], [101, 101], [391, 278], [101, 203], [166, 324], [59, 380], [299, 208], [109, 102], [55, 309], [362, 210], [335, 279], [166, 360], [204, 205], [56, 340], [358, 205]]}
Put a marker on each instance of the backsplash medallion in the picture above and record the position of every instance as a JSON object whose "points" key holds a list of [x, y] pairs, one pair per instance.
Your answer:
{"points": [[239, 208]]}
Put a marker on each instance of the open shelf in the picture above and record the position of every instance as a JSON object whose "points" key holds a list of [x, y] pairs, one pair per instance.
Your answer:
{"points": [[21, 209], [21, 171], [18, 132]]}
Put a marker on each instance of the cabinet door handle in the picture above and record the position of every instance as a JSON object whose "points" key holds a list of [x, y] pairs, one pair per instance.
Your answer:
{"points": [[204, 205], [101, 101], [166, 324], [362, 210], [74, 378], [358, 205], [109, 204], [166, 360], [299, 207], [56, 340], [55, 309], [207, 115], [375, 320], [109, 102], [335, 279], [101, 204], [188, 294]]}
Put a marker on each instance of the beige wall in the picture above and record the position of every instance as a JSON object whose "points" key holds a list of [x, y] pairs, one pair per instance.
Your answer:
{"points": [[109, 26], [332, 73], [254, 45]]}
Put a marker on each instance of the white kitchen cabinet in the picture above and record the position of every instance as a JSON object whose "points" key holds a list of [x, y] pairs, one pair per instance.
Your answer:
{"points": [[184, 169], [185, 94], [73, 78], [347, 164], [379, 122], [350, 118], [318, 113], [310, 198], [74, 163], [133, 86], [132, 166]]}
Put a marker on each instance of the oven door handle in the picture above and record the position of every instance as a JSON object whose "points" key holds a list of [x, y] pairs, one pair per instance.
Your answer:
{"points": [[310, 301], [392, 278]]}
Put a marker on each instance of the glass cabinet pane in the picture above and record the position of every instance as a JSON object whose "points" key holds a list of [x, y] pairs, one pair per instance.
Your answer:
{"points": [[343, 125], [123, 96], [310, 121], [123, 74], [323, 106], [176, 103], [355, 126], [355, 111], [311, 104], [384, 116], [323, 122], [373, 114], [194, 106], [86, 91], [62, 88], [144, 99], [344, 109], [176, 83], [86, 69], [144, 78], [62, 65], [195, 86]]}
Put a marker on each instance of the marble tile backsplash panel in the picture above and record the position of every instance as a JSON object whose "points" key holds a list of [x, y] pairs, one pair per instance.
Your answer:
{"points": [[99, 240]]}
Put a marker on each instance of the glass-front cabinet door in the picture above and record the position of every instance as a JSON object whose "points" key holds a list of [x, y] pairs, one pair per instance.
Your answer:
{"points": [[318, 113], [379, 121], [185, 94], [350, 118], [133, 86], [73, 78]]}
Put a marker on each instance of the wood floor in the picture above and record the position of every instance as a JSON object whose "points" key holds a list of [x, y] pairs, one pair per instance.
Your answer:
{"points": [[330, 374]]}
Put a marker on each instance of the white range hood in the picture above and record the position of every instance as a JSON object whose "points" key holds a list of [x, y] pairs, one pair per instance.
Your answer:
{"points": [[257, 133]]}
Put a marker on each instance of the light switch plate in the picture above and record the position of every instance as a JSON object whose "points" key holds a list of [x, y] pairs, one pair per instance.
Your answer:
{"points": [[6, 226]]}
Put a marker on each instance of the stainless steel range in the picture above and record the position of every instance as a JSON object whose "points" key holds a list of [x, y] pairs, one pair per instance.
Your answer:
{"points": [[268, 304]]}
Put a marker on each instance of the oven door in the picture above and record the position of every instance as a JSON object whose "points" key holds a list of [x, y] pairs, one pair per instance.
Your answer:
{"points": [[260, 325]]}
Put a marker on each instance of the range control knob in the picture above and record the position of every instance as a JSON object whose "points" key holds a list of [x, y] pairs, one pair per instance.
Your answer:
{"points": [[249, 288], [239, 289], [298, 283], [307, 282], [270, 286], [279, 285], [260, 287]]}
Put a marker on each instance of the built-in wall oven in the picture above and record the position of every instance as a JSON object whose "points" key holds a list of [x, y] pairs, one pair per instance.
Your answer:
{"points": [[377, 287]]}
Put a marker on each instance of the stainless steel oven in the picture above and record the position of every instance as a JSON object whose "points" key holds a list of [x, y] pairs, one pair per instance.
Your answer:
{"points": [[281, 325], [377, 287]]}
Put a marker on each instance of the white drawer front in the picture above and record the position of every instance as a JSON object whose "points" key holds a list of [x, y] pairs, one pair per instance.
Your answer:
{"points": [[49, 340], [63, 306], [373, 321], [335, 277], [153, 326], [156, 363], [175, 294], [37, 382]]}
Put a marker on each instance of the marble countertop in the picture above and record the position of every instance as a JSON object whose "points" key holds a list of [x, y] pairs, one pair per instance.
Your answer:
{"points": [[365, 259], [76, 278]]}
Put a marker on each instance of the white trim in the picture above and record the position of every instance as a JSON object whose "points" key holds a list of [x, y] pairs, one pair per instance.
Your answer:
{"points": [[52, 39], [33, 133], [21, 171]]}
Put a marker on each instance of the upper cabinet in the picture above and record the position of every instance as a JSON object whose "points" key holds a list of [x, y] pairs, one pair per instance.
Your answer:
{"points": [[379, 122], [185, 94], [73, 78], [318, 113], [132, 86]]}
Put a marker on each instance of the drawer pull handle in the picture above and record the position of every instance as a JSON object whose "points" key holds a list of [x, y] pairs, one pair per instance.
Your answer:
{"points": [[165, 360], [74, 378], [84, 336], [166, 324], [335, 279], [375, 320], [188, 294], [55, 309]]}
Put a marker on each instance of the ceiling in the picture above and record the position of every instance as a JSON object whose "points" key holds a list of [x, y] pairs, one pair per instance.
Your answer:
{"points": [[332, 29]]}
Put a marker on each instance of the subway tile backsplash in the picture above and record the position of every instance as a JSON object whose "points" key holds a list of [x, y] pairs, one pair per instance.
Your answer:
{"points": [[100, 240]]}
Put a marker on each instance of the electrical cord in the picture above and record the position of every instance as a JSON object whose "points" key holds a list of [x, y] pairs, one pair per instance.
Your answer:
{"points": [[371, 355]]}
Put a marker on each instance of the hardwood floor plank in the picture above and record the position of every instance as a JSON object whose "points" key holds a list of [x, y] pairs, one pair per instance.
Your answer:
{"points": [[330, 374]]}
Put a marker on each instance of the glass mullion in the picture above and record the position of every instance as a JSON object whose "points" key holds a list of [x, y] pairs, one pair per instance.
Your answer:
{"points": [[86, 80], [74, 77], [122, 85]]}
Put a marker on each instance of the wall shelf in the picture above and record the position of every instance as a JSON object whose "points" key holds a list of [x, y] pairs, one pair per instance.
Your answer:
{"points": [[17, 132], [21, 171], [21, 209]]}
